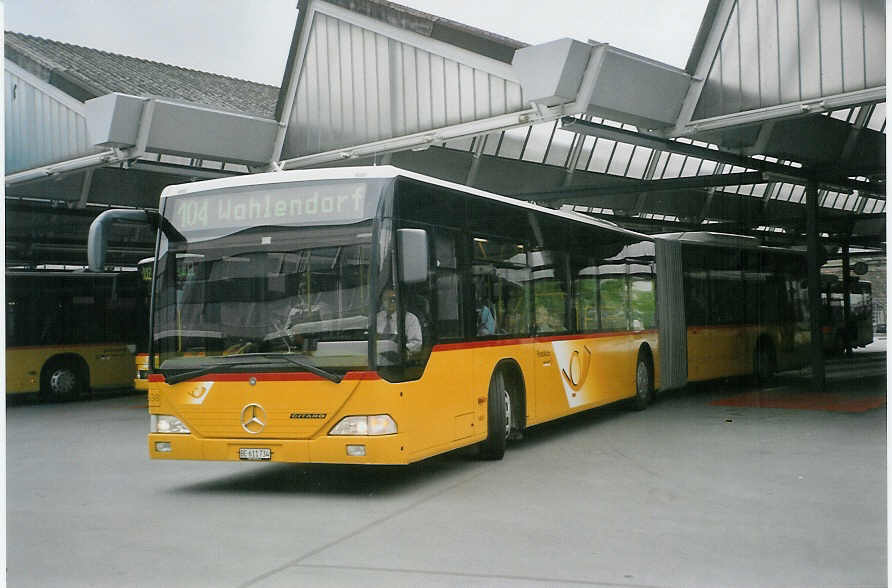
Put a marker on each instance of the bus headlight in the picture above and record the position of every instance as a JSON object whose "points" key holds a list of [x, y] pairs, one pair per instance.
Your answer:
{"points": [[165, 423], [373, 424]]}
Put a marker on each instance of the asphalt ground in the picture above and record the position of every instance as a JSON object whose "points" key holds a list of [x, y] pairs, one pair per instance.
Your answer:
{"points": [[718, 484]]}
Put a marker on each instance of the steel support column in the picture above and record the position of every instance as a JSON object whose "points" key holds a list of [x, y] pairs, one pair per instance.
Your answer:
{"points": [[814, 259], [846, 303]]}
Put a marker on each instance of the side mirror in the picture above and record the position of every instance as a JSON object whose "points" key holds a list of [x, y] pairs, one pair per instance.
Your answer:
{"points": [[412, 245]]}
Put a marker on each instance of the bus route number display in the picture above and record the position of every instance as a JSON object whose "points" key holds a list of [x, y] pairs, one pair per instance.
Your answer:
{"points": [[292, 204]]}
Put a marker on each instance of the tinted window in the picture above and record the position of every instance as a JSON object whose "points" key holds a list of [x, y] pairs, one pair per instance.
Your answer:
{"points": [[551, 288], [501, 283]]}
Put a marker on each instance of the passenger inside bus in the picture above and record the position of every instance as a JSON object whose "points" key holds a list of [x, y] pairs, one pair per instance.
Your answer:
{"points": [[309, 306], [486, 321], [546, 322]]}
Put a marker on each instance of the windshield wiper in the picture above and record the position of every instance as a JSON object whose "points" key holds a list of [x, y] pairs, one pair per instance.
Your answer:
{"points": [[224, 367], [302, 364], [221, 367]]}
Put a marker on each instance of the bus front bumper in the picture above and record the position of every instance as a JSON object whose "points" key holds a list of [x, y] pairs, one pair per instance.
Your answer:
{"points": [[382, 450]]}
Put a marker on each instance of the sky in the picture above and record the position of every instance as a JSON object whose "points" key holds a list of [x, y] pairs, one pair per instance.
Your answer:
{"points": [[249, 39]]}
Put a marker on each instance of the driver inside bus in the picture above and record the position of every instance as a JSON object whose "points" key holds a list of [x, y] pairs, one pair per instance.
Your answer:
{"points": [[388, 322], [307, 307]]}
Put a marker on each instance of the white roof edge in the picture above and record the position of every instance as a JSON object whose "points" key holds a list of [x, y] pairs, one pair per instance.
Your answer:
{"points": [[379, 172]]}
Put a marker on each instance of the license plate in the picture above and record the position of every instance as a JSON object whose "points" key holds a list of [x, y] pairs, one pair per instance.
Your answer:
{"points": [[254, 453]]}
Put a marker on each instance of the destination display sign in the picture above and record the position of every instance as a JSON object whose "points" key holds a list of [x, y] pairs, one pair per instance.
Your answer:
{"points": [[275, 204]]}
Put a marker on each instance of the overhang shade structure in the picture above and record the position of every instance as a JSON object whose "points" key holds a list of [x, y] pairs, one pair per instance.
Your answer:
{"points": [[189, 130], [598, 128], [776, 97], [86, 130], [370, 78], [42, 124], [758, 61]]}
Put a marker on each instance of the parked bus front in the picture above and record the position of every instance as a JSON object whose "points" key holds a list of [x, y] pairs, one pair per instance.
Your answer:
{"points": [[266, 333]]}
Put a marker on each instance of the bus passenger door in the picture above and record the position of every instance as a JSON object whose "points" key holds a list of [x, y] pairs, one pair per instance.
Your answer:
{"points": [[444, 405], [550, 397]]}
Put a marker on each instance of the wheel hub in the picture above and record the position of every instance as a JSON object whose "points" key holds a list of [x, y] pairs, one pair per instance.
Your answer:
{"points": [[63, 382], [642, 380], [507, 414]]}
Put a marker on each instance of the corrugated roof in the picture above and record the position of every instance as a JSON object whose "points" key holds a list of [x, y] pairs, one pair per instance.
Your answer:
{"points": [[91, 72], [449, 31]]}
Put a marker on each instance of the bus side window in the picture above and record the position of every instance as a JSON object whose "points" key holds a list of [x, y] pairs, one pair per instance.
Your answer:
{"points": [[696, 288], [642, 298], [502, 280], [585, 295], [613, 297], [550, 291], [448, 285], [752, 284], [725, 284]]}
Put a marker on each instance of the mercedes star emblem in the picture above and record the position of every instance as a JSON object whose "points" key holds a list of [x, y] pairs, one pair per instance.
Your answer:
{"points": [[253, 418]]}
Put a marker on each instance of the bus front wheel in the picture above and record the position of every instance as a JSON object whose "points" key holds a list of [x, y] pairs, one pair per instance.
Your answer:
{"points": [[62, 380], [500, 418]]}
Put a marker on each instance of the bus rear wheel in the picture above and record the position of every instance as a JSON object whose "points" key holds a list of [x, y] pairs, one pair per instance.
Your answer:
{"points": [[500, 418], [61, 380], [764, 362], [644, 381]]}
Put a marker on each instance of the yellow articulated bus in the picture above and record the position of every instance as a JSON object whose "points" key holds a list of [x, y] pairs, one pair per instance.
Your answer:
{"points": [[377, 316], [69, 332]]}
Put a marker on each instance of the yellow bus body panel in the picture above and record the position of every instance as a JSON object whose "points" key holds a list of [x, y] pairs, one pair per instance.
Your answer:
{"points": [[444, 410], [727, 351], [110, 365], [141, 363]]}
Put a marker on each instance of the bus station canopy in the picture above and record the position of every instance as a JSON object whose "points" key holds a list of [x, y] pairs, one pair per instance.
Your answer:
{"points": [[774, 96]]}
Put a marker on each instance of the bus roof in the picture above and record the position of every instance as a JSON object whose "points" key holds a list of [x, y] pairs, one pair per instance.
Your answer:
{"points": [[64, 273], [383, 172]]}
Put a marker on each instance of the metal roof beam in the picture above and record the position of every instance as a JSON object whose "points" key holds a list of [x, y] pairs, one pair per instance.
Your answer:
{"points": [[634, 187], [781, 111], [797, 175]]}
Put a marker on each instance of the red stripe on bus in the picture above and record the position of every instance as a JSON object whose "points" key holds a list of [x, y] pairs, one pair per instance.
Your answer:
{"points": [[548, 339], [270, 377], [66, 345], [725, 327]]}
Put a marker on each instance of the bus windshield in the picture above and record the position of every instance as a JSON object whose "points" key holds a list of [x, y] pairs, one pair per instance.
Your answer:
{"points": [[266, 290], [279, 271]]}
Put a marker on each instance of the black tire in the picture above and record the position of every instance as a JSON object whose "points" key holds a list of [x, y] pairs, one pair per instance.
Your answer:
{"points": [[500, 418], [61, 380], [764, 363], [644, 381]]}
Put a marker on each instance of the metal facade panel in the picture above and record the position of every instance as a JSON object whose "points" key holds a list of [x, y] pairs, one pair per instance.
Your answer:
{"points": [[41, 124], [777, 52], [874, 22], [788, 51], [357, 85], [807, 32]]}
